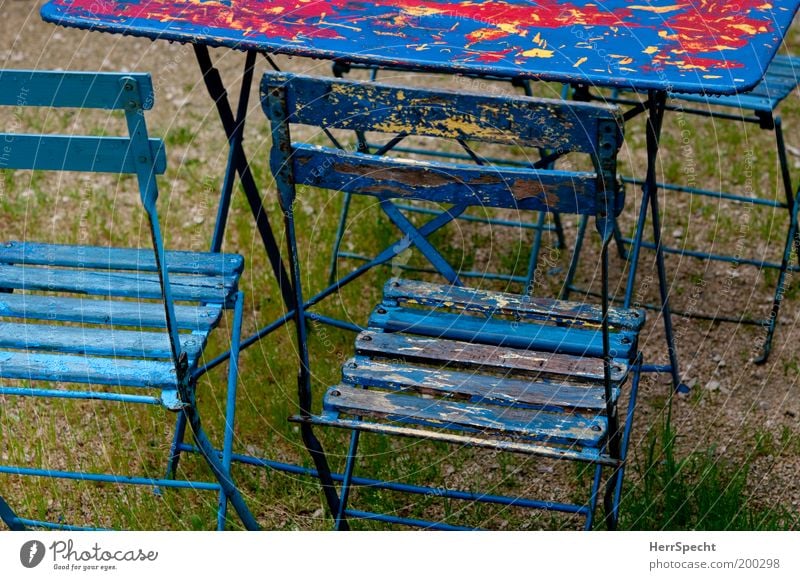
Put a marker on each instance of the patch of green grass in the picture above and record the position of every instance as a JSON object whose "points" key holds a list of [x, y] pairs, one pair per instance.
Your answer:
{"points": [[699, 491]]}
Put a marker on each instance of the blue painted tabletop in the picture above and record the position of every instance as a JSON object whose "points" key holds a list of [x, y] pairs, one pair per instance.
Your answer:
{"points": [[697, 46]]}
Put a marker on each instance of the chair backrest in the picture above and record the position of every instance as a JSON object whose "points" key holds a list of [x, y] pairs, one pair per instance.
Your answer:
{"points": [[555, 126], [135, 154]]}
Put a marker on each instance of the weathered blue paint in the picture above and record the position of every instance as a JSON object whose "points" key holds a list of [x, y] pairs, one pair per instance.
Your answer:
{"points": [[178, 262], [417, 330], [405, 179], [76, 153], [694, 46], [111, 312], [73, 89], [575, 340], [108, 340], [342, 104]]}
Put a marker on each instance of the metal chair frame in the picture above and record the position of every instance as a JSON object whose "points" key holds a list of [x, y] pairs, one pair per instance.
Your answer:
{"points": [[289, 99], [97, 273], [539, 225], [780, 80]]}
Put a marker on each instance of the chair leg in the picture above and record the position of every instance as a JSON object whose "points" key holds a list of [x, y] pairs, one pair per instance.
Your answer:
{"points": [[175, 448], [347, 480], [598, 472], [792, 240], [561, 243], [613, 493], [230, 405], [536, 247], [573, 263], [791, 244], [9, 518], [337, 243]]}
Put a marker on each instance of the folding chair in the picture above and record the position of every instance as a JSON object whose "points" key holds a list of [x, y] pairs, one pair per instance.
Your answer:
{"points": [[464, 153], [758, 107], [132, 323], [451, 364]]}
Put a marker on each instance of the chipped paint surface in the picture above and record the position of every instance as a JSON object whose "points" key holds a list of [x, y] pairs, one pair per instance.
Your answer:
{"points": [[688, 45]]}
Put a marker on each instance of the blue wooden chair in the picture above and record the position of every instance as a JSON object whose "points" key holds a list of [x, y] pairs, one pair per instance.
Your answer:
{"points": [[446, 363], [111, 324], [757, 106], [535, 223]]}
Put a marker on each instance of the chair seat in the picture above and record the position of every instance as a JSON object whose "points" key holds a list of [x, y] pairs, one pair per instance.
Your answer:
{"points": [[115, 332], [485, 369], [781, 78]]}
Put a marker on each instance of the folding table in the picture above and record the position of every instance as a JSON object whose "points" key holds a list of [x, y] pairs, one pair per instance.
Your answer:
{"points": [[659, 46]]}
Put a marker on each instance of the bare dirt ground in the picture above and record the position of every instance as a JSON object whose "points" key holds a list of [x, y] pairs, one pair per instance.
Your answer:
{"points": [[745, 412]]}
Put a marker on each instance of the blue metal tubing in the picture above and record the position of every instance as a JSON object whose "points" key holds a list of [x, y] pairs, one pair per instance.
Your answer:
{"points": [[485, 220], [455, 155], [710, 193], [405, 487], [230, 404], [626, 434], [58, 394], [234, 148], [715, 257], [55, 526], [104, 477], [425, 524], [598, 472], [469, 274], [386, 255], [689, 111], [335, 322], [218, 93], [700, 316]]}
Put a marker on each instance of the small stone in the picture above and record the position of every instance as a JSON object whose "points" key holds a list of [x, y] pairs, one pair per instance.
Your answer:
{"points": [[712, 386], [198, 219], [318, 513], [677, 233], [716, 358]]}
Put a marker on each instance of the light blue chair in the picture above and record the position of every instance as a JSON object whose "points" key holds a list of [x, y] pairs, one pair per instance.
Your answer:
{"points": [[111, 324]]}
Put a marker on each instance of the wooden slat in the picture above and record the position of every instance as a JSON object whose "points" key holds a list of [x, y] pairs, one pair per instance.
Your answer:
{"points": [[576, 340], [110, 312], [142, 260], [82, 90], [353, 105], [564, 428], [34, 366], [77, 153], [119, 284], [571, 192], [481, 386], [95, 341], [441, 352], [588, 454], [490, 302]]}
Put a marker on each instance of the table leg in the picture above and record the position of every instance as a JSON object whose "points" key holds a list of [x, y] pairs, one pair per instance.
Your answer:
{"points": [[655, 108], [238, 164]]}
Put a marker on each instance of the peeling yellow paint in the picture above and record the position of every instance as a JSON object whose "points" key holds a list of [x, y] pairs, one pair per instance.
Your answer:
{"points": [[538, 53], [580, 61], [658, 9], [650, 50]]}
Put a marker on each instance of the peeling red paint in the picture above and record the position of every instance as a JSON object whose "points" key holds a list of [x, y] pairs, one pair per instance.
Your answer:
{"points": [[682, 35]]}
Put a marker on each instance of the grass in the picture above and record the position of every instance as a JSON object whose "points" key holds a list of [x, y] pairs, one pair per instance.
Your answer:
{"points": [[702, 490], [666, 488]]}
